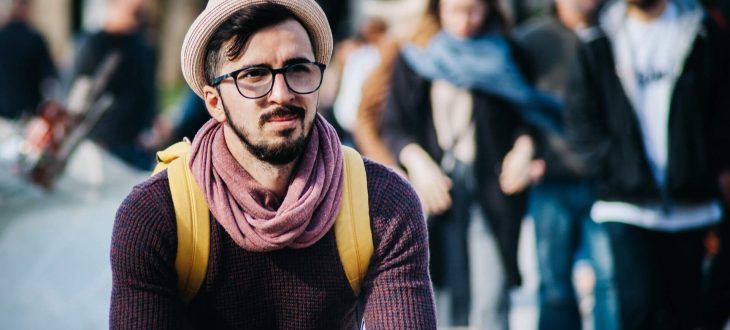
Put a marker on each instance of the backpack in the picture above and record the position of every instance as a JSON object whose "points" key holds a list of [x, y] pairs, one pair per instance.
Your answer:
{"points": [[352, 226]]}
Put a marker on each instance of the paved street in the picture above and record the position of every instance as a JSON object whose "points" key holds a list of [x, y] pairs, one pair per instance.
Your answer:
{"points": [[54, 248]]}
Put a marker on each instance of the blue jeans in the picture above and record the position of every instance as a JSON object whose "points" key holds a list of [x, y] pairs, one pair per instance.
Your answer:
{"points": [[561, 212]]}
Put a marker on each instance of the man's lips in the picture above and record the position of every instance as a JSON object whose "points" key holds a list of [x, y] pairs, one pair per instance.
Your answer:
{"points": [[283, 122], [283, 118]]}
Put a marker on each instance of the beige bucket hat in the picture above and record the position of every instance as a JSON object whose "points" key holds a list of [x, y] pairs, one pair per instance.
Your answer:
{"points": [[308, 12]]}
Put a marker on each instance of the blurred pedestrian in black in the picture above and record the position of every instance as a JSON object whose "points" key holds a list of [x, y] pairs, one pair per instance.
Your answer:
{"points": [[648, 111], [132, 84], [26, 67]]}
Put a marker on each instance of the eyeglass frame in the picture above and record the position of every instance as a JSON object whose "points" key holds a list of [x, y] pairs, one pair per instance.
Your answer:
{"points": [[274, 72]]}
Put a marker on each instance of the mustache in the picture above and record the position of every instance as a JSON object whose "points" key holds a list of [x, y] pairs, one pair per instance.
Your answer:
{"points": [[282, 111]]}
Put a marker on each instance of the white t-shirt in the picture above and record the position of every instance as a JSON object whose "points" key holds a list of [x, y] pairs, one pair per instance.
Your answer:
{"points": [[654, 62]]}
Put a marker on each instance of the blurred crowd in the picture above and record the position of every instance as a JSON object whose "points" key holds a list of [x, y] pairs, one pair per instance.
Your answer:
{"points": [[606, 122]]}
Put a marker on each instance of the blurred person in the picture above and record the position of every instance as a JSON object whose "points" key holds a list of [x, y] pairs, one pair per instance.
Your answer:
{"points": [[454, 111], [271, 171], [26, 67], [560, 204], [359, 62], [375, 91], [647, 111], [132, 85]]}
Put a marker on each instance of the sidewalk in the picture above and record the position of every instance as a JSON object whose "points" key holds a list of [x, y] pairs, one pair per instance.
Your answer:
{"points": [[54, 247]]}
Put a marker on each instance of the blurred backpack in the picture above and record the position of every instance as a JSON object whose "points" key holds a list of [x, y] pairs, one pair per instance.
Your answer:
{"points": [[352, 226]]}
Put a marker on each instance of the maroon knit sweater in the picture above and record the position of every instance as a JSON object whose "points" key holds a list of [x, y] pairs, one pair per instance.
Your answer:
{"points": [[285, 289]]}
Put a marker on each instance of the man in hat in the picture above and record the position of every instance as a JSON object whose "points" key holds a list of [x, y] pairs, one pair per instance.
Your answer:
{"points": [[271, 171]]}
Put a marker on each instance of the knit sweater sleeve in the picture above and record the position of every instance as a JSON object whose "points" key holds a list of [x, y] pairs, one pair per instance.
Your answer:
{"points": [[397, 289], [144, 244]]}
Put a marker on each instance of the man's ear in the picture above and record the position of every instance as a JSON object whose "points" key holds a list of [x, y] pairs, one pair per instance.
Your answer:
{"points": [[214, 104]]}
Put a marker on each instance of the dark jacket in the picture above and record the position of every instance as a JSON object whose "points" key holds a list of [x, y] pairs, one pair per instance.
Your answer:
{"points": [[551, 49], [25, 63], [408, 119], [603, 126], [132, 85]]}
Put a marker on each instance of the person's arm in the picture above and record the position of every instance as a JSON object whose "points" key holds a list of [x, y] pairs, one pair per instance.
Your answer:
{"points": [[586, 125], [401, 117], [367, 132], [144, 280], [397, 289], [400, 122]]}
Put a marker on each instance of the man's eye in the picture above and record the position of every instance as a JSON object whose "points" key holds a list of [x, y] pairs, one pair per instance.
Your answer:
{"points": [[255, 73], [301, 68]]}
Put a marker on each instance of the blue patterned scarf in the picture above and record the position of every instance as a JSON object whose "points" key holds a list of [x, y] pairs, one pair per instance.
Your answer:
{"points": [[484, 63]]}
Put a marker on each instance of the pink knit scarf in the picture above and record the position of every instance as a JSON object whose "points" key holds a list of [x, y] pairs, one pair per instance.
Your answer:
{"points": [[254, 217]]}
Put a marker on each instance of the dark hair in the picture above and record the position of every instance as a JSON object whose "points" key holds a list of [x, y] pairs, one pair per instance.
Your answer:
{"points": [[496, 18], [238, 29]]}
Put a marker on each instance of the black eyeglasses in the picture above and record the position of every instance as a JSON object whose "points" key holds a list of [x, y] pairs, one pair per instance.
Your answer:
{"points": [[255, 82]]}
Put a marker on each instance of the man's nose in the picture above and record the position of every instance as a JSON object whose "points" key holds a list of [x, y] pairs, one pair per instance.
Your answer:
{"points": [[280, 92]]}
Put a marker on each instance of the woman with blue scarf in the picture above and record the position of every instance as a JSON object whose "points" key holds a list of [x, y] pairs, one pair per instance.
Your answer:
{"points": [[455, 109]]}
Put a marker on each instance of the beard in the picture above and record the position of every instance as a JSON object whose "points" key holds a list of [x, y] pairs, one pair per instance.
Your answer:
{"points": [[279, 153]]}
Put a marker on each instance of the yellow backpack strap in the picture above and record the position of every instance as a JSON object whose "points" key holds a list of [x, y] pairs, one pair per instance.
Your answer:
{"points": [[167, 156], [193, 221], [352, 226]]}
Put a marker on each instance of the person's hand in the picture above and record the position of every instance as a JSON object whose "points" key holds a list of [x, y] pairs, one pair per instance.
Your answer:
{"points": [[518, 167], [427, 178]]}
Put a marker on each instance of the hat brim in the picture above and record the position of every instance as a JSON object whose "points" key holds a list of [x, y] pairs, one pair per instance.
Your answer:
{"points": [[192, 55]]}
